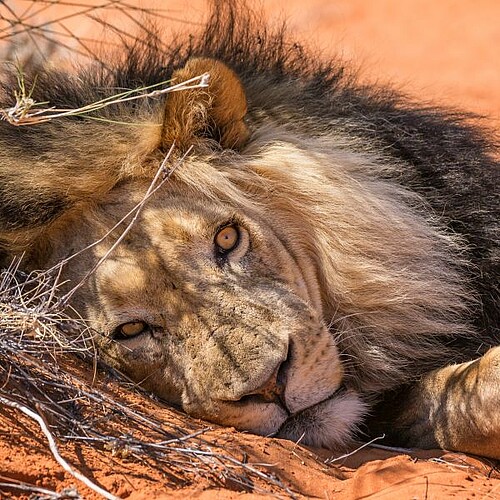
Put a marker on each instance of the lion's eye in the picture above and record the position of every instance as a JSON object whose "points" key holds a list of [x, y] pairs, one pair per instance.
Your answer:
{"points": [[128, 330], [227, 238]]}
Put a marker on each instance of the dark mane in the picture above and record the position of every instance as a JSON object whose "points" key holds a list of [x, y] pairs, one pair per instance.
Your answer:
{"points": [[446, 155]]}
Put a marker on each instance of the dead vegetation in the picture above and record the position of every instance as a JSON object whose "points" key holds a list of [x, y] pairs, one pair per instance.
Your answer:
{"points": [[39, 29], [26, 111]]}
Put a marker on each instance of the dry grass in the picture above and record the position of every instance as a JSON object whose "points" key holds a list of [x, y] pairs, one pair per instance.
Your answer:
{"points": [[39, 28], [26, 111]]}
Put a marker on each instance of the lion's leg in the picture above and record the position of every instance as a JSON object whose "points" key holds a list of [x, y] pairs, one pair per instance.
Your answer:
{"points": [[455, 408]]}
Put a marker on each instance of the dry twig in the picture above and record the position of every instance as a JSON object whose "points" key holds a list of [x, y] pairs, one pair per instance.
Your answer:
{"points": [[53, 447], [47, 24], [22, 112]]}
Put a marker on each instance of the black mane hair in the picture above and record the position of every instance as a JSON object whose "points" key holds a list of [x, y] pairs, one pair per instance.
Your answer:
{"points": [[445, 155]]}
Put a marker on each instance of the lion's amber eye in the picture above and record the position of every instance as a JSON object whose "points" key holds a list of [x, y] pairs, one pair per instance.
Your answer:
{"points": [[132, 329], [227, 238]]}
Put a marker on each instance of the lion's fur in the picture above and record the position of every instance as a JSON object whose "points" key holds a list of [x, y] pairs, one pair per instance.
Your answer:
{"points": [[375, 219]]}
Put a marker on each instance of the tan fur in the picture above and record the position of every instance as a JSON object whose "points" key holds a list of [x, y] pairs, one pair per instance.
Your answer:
{"points": [[456, 407], [338, 289]]}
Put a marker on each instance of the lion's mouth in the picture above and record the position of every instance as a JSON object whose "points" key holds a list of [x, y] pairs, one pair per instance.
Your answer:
{"points": [[274, 391], [294, 400], [341, 390]]}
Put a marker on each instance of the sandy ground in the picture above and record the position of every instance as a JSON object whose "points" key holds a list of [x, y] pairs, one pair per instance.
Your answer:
{"points": [[445, 51], [297, 471]]}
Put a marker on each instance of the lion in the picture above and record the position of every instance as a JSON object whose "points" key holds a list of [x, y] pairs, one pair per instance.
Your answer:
{"points": [[320, 262]]}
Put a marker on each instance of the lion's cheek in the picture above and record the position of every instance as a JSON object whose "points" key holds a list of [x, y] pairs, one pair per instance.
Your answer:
{"points": [[154, 367]]}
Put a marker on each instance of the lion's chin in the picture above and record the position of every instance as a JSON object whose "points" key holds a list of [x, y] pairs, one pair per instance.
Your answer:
{"points": [[328, 424]]}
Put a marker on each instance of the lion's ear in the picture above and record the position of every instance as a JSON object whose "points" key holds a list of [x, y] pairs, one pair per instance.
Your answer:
{"points": [[215, 112]]}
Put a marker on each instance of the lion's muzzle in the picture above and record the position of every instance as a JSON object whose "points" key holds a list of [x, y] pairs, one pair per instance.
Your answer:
{"points": [[272, 391]]}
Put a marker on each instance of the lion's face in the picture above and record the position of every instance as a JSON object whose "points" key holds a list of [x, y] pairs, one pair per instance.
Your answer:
{"points": [[206, 307]]}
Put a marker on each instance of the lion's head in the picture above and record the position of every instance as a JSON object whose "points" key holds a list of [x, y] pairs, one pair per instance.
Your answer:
{"points": [[276, 281], [211, 307]]}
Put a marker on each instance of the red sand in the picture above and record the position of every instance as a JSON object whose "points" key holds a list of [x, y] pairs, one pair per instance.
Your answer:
{"points": [[368, 473], [444, 50]]}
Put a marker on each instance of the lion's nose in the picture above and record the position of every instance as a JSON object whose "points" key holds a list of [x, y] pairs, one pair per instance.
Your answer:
{"points": [[273, 390]]}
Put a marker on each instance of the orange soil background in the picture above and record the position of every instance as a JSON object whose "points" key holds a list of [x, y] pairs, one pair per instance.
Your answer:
{"points": [[442, 50]]}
